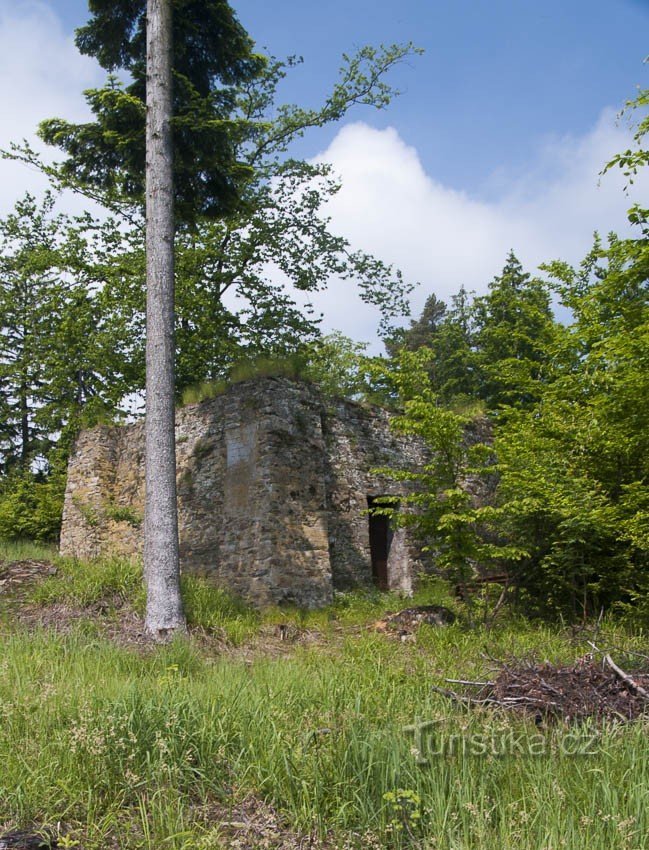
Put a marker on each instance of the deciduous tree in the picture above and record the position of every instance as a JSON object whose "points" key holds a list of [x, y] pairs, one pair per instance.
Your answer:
{"points": [[209, 137], [177, 54]]}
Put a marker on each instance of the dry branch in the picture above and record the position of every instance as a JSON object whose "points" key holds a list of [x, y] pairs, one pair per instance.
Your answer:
{"points": [[571, 692], [628, 680]]}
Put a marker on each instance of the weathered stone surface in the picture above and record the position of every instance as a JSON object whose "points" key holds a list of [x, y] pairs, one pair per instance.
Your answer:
{"points": [[273, 487]]}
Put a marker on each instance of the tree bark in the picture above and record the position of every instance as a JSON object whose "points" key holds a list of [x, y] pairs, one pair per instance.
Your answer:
{"points": [[24, 428], [164, 611]]}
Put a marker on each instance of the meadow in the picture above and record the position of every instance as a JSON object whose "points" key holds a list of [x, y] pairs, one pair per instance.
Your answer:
{"points": [[332, 738]]}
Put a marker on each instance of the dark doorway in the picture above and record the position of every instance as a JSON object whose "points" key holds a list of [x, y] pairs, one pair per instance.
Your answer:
{"points": [[380, 540]]}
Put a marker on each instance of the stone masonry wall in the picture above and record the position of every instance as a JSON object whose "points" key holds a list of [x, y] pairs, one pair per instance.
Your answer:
{"points": [[273, 485], [359, 441]]}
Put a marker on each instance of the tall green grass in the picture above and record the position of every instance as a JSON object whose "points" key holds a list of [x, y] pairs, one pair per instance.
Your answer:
{"points": [[118, 744], [121, 746], [293, 366], [119, 580], [89, 582], [214, 609], [24, 550]]}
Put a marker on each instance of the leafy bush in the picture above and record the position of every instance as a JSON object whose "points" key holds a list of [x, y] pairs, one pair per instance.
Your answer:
{"points": [[569, 517], [31, 506]]}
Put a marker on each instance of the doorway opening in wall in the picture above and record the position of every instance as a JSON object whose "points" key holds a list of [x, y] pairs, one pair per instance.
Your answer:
{"points": [[381, 535]]}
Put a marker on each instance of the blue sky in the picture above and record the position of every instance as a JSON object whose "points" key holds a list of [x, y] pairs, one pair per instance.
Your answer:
{"points": [[496, 142], [496, 78]]}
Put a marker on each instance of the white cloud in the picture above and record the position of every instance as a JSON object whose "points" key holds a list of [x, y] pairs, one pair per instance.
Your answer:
{"points": [[42, 75], [443, 238], [388, 205]]}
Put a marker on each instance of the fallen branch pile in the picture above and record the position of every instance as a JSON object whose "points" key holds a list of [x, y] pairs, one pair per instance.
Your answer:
{"points": [[587, 688]]}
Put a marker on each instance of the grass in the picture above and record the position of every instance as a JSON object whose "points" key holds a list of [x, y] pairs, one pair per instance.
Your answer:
{"points": [[26, 550], [120, 580], [211, 608], [98, 737], [89, 582], [286, 366], [143, 749]]}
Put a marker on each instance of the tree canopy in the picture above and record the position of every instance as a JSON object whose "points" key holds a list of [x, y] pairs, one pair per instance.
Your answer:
{"points": [[212, 56]]}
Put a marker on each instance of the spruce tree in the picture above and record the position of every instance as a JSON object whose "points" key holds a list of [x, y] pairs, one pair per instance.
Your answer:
{"points": [[211, 55], [27, 283], [60, 364], [514, 328], [181, 57]]}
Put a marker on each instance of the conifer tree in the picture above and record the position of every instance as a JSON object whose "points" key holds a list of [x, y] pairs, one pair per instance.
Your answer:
{"points": [[214, 141], [514, 327], [181, 57], [55, 356], [60, 366]]}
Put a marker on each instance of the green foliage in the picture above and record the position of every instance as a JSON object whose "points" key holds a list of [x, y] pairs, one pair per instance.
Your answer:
{"points": [[568, 406], [568, 442], [492, 348], [31, 506], [88, 511], [633, 160], [279, 231], [123, 513], [448, 333], [57, 365], [514, 329], [288, 366], [438, 503], [574, 468], [403, 815], [338, 366], [335, 364], [61, 362], [108, 155], [73, 291], [421, 330]]}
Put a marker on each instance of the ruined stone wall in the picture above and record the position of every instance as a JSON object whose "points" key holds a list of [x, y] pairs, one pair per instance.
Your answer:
{"points": [[272, 492], [274, 523], [359, 441]]}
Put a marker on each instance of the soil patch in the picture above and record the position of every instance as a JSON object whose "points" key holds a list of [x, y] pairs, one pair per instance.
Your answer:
{"points": [[250, 824], [16, 577], [254, 824]]}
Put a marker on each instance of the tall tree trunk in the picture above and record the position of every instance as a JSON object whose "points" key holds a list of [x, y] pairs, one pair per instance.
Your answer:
{"points": [[164, 611], [24, 428]]}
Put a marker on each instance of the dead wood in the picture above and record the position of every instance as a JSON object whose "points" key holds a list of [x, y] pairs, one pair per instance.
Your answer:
{"points": [[635, 687], [567, 692]]}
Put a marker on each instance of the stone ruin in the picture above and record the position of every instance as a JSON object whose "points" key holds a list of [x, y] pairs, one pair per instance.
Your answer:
{"points": [[274, 485]]}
